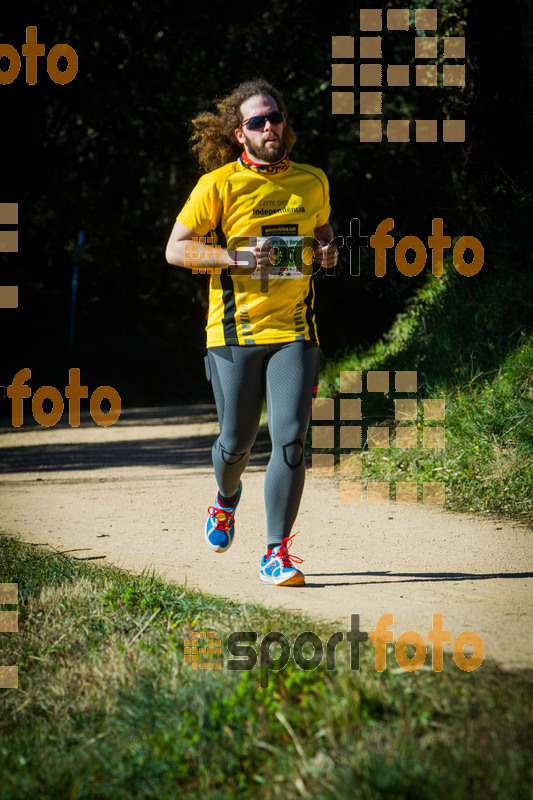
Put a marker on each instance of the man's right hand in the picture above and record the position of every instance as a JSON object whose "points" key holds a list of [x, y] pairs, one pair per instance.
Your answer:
{"points": [[264, 254], [249, 259]]}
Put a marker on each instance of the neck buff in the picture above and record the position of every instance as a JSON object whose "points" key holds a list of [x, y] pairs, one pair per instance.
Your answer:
{"points": [[265, 169]]}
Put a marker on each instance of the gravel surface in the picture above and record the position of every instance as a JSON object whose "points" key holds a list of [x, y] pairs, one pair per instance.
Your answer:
{"points": [[136, 493]]}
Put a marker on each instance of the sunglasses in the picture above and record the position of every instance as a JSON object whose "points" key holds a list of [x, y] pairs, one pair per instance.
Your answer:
{"points": [[258, 123]]}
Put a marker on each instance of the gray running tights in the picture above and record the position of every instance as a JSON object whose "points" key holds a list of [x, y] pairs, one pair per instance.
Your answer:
{"points": [[242, 376]]}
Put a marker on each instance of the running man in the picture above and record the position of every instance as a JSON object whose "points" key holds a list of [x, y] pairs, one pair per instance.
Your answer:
{"points": [[246, 223]]}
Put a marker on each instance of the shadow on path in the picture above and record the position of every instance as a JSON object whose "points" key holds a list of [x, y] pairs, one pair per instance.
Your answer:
{"points": [[410, 577], [159, 415], [187, 452]]}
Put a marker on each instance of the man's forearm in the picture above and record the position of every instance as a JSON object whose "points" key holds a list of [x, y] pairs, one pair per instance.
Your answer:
{"points": [[324, 233], [195, 255]]}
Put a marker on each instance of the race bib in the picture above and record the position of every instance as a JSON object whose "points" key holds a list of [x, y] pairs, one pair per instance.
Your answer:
{"points": [[289, 256]]}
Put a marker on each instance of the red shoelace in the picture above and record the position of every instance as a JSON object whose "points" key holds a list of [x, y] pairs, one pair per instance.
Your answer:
{"points": [[287, 558], [223, 517]]}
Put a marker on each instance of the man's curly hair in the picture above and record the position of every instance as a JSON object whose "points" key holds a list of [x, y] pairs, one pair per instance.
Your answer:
{"points": [[213, 135]]}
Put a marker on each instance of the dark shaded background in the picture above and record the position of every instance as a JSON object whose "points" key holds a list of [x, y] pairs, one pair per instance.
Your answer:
{"points": [[108, 153]]}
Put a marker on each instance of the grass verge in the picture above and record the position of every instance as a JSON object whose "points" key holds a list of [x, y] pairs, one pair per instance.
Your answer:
{"points": [[469, 339], [107, 708]]}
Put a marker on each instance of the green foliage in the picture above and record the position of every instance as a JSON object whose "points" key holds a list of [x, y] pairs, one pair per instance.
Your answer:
{"points": [[33, 568], [145, 592], [151, 724], [108, 709], [469, 339]]}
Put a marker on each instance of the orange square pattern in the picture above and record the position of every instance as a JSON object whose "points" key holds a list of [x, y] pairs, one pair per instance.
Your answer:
{"points": [[370, 47], [370, 75], [377, 380], [350, 492], [433, 438], [378, 492], [405, 410], [406, 381], [406, 492], [378, 436], [350, 409], [342, 46], [398, 19], [370, 103], [426, 47], [370, 19], [342, 102], [434, 493], [398, 130], [434, 409], [324, 408], [351, 381], [323, 465], [350, 436], [370, 130], [342, 75]]}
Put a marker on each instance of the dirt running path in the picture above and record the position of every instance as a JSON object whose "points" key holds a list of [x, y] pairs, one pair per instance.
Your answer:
{"points": [[137, 493]]}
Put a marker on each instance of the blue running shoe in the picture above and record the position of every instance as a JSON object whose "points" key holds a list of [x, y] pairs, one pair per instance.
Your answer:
{"points": [[277, 567], [220, 525]]}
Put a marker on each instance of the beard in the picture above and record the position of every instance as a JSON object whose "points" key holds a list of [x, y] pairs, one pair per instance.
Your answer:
{"points": [[263, 153]]}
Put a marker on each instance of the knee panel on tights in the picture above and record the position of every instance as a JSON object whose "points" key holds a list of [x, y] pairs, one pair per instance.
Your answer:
{"points": [[293, 453], [230, 458]]}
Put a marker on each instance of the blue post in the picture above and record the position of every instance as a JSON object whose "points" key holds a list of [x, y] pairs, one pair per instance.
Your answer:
{"points": [[77, 254]]}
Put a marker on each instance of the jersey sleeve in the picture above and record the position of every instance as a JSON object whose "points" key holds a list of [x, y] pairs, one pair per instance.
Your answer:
{"points": [[201, 213], [324, 214]]}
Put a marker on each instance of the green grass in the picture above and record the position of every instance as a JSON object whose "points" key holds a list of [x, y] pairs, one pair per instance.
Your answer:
{"points": [[469, 339], [107, 708]]}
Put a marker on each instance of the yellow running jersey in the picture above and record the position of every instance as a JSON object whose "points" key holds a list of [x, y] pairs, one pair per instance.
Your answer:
{"points": [[239, 206]]}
